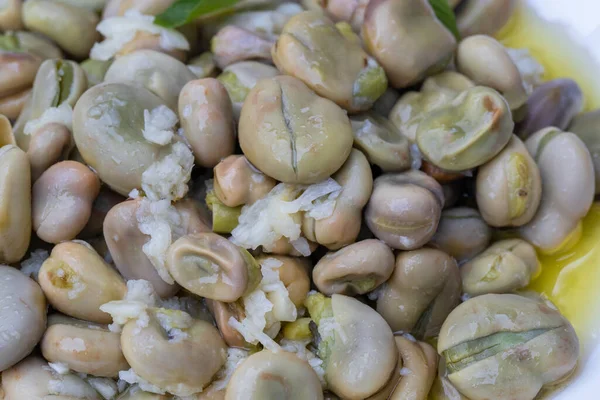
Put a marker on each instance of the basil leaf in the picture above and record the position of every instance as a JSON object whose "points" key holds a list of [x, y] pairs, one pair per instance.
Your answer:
{"points": [[446, 15], [184, 11]]}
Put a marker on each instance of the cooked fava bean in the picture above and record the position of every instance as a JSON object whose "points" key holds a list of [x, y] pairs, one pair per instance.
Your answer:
{"points": [[83, 346], [49, 143], [383, 106], [268, 375], [95, 70], [104, 202], [587, 127], [222, 312], [22, 316], [407, 39], [421, 360], [77, 281], [509, 187], [31, 43], [237, 182], [6, 133], [125, 240], [283, 247], [207, 120], [356, 269], [484, 60], [568, 180], [356, 345], [233, 44], [210, 266], [62, 201], [150, 41], [343, 226], [17, 70], [240, 78], [423, 289], [291, 134], [437, 92], [294, 273], [33, 379], [462, 233], [483, 17], [442, 388], [182, 364], [146, 7], [135, 393], [161, 74], [312, 49], [76, 33], [533, 346], [15, 204], [203, 66], [503, 267], [404, 209], [351, 11], [10, 15], [381, 142], [552, 104], [108, 125], [12, 105], [470, 131]]}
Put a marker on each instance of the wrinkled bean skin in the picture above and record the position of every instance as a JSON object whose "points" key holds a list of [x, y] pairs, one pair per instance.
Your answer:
{"points": [[381, 142], [509, 187], [485, 60], [84, 347], [407, 39], [587, 127], [107, 127], [182, 367], [22, 316], [125, 241], [62, 201], [467, 133], [49, 144], [568, 180], [530, 345], [288, 144], [424, 287], [160, 73], [268, 375], [343, 226], [207, 120], [503, 267], [312, 49], [404, 209], [33, 379], [483, 17], [553, 103], [355, 269], [77, 32], [15, 204], [237, 182], [462, 233], [77, 281]]}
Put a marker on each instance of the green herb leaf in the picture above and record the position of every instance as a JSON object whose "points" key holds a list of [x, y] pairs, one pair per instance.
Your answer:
{"points": [[184, 11], [446, 15]]}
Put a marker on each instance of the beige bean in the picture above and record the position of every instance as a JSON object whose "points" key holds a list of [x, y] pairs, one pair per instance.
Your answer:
{"points": [[404, 209], [33, 379], [283, 247], [207, 120], [62, 201], [343, 226], [77, 281], [17, 71], [76, 33], [237, 182], [149, 41], [203, 66], [12, 105], [268, 375], [210, 266], [423, 289], [10, 15], [105, 201], [15, 204], [147, 7], [483, 17], [293, 272], [181, 366], [222, 312], [462, 233], [22, 315], [421, 359], [6, 132], [355, 269], [83, 346], [234, 44], [135, 393], [49, 144]]}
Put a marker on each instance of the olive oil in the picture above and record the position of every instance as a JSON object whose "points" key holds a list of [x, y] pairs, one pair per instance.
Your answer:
{"points": [[570, 278]]}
